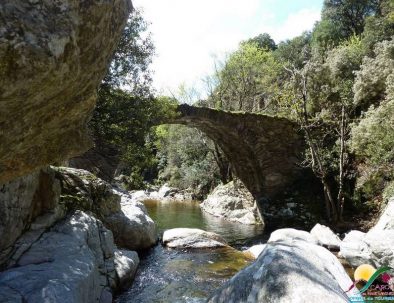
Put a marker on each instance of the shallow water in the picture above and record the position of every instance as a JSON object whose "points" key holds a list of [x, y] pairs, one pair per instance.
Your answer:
{"points": [[178, 276]]}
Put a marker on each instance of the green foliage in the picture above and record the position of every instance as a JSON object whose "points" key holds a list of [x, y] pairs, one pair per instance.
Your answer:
{"points": [[377, 29], [373, 137], [326, 35], [239, 85], [372, 79], [345, 59], [388, 192], [131, 60], [295, 52], [349, 15], [126, 111], [263, 41], [125, 121], [186, 159], [322, 79]]}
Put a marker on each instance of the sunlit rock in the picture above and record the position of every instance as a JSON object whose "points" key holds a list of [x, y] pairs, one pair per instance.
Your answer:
{"points": [[192, 238], [291, 234], [132, 226], [126, 264], [325, 236], [255, 250], [232, 202], [288, 271]]}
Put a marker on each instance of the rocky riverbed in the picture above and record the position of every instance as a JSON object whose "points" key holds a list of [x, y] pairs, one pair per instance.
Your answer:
{"points": [[89, 238]]}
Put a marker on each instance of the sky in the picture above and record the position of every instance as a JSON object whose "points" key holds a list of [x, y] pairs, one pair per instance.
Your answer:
{"points": [[190, 34]]}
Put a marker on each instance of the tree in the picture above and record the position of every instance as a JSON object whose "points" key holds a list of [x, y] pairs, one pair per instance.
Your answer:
{"points": [[263, 41], [296, 52], [129, 68], [326, 35], [373, 137], [126, 109], [319, 97], [125, 122], [379, 27], [186, 159], [349, 15], [239, 79]]}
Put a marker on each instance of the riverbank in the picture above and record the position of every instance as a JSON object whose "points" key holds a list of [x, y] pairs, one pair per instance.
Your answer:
{"points": [[193, 275], [105, 232]]}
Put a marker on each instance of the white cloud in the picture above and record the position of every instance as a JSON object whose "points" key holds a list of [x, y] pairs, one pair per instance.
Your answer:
{"points": [[187, 33], [294, 25]]}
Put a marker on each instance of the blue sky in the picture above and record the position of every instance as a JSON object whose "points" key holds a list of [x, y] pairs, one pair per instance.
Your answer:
{"points": [[190, 34]]}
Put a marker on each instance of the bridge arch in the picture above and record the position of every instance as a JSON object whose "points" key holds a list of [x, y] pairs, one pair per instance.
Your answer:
{"points": [[263, 150]]}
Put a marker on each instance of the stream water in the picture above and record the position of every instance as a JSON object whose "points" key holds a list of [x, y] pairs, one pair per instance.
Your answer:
{"points": [[180, 276]]}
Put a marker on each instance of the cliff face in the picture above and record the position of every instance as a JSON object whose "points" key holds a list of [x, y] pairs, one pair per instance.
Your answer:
{"points": [[53, 55]]}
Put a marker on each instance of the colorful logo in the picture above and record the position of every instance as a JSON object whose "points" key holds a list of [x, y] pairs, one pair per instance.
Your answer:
{"points": [[375, 285]]}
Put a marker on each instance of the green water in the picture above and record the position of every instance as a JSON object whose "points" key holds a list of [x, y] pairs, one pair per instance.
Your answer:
{"points": [[188, 214], [180, 276]]}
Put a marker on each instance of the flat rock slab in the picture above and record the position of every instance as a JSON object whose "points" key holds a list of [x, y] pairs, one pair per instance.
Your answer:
{"points": [[192, 238]]}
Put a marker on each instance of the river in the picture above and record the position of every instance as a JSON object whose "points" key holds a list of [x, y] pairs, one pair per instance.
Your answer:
{"points": [[188, 276]]}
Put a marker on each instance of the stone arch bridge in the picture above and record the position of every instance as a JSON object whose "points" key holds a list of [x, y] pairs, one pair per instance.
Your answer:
{"points": [[263, 150]]}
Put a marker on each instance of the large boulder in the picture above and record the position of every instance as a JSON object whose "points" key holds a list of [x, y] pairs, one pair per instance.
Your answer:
{"points": [[82, 190], [291, 234], [232, 202], [386, 220], [169, 194], [127, 218], [32, 204], [192, 238], [325, 236], [132, 226], [288, 271], [376, 247], [53, 55], [126, 264], [354, 249], [73, 262]]}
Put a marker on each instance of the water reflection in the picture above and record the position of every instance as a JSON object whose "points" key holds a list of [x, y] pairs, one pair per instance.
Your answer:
{"points": [[188, 214]]}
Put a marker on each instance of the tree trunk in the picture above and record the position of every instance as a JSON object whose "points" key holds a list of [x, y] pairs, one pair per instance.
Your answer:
{"points": [[333, 215], [223, 164], [317, 165], [341, 199]]}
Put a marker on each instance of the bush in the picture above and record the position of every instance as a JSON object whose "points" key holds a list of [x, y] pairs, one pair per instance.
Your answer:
{"points": [[388, 192]]}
